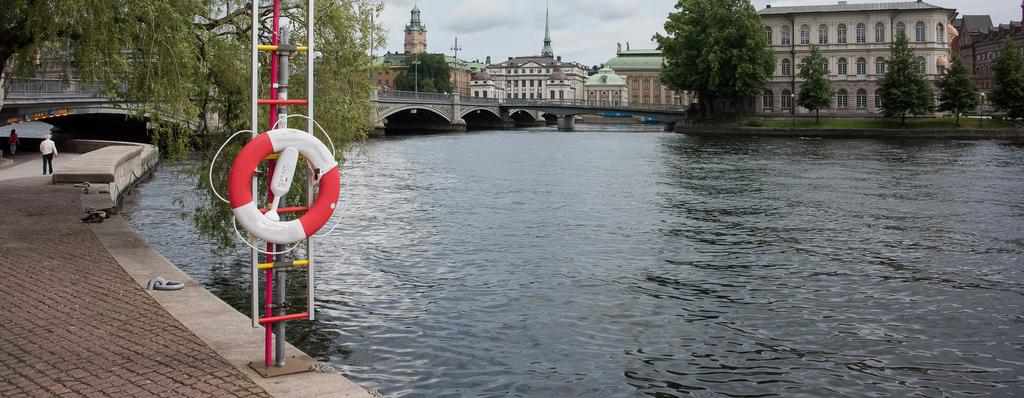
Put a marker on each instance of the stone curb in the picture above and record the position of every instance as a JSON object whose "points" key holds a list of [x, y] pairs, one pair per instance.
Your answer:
{"points": [[219, 325]]}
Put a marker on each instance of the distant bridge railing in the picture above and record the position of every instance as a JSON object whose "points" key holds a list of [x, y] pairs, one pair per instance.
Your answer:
{"points": [[412, 95], [590, 104], [50, 88], [480, 101]]}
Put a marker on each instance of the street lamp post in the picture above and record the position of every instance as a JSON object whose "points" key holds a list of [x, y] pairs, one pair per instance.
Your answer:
{"points": [[981, 109], [416, 65], [456, 49], [792, 108]]}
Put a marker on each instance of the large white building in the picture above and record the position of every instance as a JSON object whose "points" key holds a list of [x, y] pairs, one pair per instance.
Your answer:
{"points": [[856, 39], [539, 77]]}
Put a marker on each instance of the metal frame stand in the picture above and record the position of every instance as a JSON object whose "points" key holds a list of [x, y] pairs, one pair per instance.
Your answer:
{"points": [[275, 306]]}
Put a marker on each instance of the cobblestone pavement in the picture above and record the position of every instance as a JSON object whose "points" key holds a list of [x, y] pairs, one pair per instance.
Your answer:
{"points": [[74, 324]]}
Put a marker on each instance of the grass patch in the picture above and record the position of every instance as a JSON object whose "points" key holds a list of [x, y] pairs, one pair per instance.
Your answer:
{"points": [[926, 123]]}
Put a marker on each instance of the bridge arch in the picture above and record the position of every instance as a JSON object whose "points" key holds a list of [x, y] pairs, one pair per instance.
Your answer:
{"points": [[388, 112], [416, 118], [478, 110]]}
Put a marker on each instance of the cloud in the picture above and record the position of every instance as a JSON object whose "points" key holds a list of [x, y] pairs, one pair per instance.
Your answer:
{"points": [[476, 16]]}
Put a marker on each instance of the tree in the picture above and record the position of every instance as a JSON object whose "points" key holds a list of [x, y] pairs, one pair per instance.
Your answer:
{"points": [[958, 91], [717, 49], [1008, 92], [816, 90], [903, 88], [184, 57], [190, 59], [434, 74]]}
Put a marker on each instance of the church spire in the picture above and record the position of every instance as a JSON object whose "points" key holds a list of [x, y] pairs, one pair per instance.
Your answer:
{"points": [[547, 51], [415, 23]]}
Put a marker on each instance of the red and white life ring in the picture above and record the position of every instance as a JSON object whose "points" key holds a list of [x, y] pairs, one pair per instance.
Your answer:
{"points": [[248, 213]]}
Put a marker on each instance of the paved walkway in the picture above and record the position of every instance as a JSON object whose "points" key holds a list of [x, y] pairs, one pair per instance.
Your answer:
{"points": [[31, 165], [75, 324]]}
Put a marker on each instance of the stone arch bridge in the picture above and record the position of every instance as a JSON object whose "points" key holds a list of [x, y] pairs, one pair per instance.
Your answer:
{"points": [[65, 103], [409, 111]]}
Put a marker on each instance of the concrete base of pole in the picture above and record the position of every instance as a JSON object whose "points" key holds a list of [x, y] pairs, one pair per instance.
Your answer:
{"points": [[567, 123]]}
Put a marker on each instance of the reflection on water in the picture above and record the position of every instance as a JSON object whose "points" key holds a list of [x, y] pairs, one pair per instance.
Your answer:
{"points": [[535, 263]]}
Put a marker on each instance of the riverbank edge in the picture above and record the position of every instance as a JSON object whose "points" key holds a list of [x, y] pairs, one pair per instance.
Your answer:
{"points": [[951, 134], [216, 323]]}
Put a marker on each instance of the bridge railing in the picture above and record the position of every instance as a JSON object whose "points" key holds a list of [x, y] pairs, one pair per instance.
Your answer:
{"points": [[50, 88], [480, 101], [580, 103], [412, 95]]}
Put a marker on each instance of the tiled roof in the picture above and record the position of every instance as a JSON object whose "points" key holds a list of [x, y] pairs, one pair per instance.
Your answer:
{"points": [[977, 23], [908, 5], [544, 61], [636, 63]]}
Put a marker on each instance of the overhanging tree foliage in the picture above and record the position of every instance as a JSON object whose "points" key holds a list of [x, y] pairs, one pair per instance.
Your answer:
{"points": [[188, 60], [717, 49], [1008, 88], [903, 88], [958, 91], [434, 74], [816, 90]]}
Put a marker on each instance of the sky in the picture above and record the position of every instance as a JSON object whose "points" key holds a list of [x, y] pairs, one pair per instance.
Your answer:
{"points": [[583, 31]]}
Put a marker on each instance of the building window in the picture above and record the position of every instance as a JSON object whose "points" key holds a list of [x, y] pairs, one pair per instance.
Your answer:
{"points": [[919, 32], [862, 99], [841, 34], [531, 95], [768, 99], [531, 83], [805, 34], [843, 99], [862, 66], [901, 29], [476, 93], [786, 39], [879, 66], [878, 100], [636, 84], [843, 67], [822, 34], [879, 33], [561, 94], [921, 64], [862, 33], [787, 67], [787, 99], [940, 34], [552, 94], [768, 34]]}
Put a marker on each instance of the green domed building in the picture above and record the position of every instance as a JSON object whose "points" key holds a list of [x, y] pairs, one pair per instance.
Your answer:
{"points": [[606, 88]]}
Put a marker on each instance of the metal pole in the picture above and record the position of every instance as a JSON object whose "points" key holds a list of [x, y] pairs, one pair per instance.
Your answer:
{"points": [[310, 58], [254, 126], [456, 48], [416, 64], [279, 299], [274, 40], [981, 110]]}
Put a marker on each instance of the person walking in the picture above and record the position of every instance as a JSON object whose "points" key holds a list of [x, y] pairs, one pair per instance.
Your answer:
{"points": [[13, 141], [49, 150]]}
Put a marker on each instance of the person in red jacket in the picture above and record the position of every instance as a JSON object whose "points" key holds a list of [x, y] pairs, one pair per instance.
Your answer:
{"points": [[14, 142]]}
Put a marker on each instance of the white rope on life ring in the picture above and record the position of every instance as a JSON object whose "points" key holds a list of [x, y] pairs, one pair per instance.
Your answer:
{"points": [[243, 205]]}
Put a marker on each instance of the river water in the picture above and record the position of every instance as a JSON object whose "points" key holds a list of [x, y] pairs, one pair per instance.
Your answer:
{"points": [[625, 262]]}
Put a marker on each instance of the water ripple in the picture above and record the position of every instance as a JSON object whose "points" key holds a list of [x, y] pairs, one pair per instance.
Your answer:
{"points": [[609, 264]]}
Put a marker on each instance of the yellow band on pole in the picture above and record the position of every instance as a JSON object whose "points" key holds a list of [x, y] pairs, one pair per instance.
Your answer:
{"points": [[269, 47], [296, 263]]}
